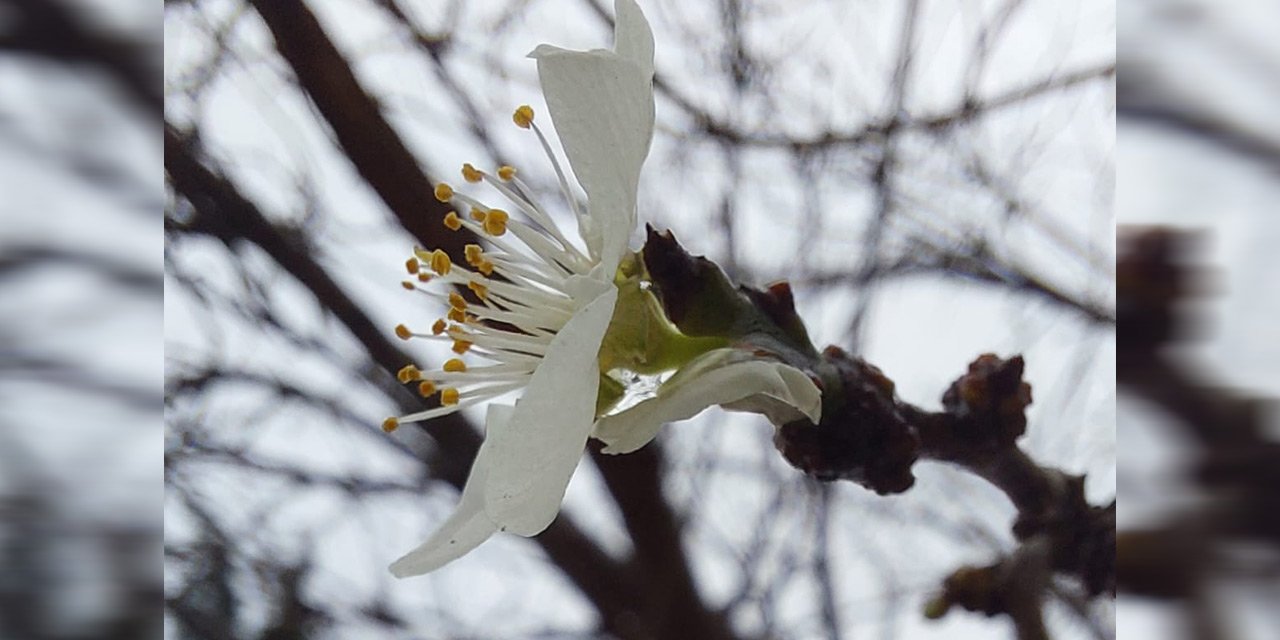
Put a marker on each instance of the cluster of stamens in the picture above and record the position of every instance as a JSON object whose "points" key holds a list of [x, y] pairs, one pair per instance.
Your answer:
{"points": [[506, 304]]}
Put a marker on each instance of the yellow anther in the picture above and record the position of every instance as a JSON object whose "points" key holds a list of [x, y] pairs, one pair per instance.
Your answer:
{"points": [[523, 117], [438, 327], [495, 222], [472, 253], [456, 315], [440, 262], [477, 214], [408, 285], [457, 302], [449, 397], [411, 265], [455, 365], [403, 332], [444, 192], [452, 221], [390, 424], [461, 346], [480, 290], [471, 174], [424, 277], [456, 328], [408, 374], [506, 172], [426, 388], [485, 267]]}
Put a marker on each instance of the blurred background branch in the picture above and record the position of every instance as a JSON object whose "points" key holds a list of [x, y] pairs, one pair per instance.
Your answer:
{"points": [[81, 289]]}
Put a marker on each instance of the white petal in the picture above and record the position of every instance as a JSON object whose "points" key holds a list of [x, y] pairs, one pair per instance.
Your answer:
{"points": [[801, 399], [469, 525], [722, 376], [535, 452], [602, 106], [632, 37]]}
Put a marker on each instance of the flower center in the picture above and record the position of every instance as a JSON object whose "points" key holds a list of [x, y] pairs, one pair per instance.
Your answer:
{"points": [[506, 304]]}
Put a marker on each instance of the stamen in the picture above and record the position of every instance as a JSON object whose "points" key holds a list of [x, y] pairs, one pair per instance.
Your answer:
{"points": [[471, 174], [452, 221], [553, 269], [519, 312], [523, 270], [473, 253], [510, 372], [440, 262], [522, 196], [568, 260], [507, 341], [409, 286], [408, 373], [495, 222], [523, 117], [555, 164]]}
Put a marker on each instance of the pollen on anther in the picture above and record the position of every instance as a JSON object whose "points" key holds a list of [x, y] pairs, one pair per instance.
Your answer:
{"points": [[480, 290], [449, 396], [506, 172], [411, 265], [403, 332], [408, 373], [523, 117], [473, 253], [444, 192], [409, 286], [452, 221], [424, 277], [485, 267], [471, 174], [390, 424], [461, 346], [457, 315], [426, 388], [454, 365], [457, 302], [440, 262], [437, 328], [477, 214], [495, 222]]}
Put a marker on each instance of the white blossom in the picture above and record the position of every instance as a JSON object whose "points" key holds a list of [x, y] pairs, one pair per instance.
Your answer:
{"points": [[541, 325]]}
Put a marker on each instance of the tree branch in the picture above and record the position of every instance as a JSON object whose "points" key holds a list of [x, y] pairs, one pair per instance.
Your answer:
{"points": [[375, 150]]}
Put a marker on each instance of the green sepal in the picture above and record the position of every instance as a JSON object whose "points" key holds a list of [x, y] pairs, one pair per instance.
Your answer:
{"points": [[640, 338]]}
